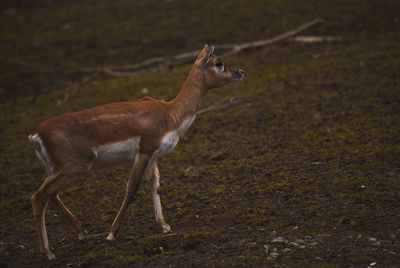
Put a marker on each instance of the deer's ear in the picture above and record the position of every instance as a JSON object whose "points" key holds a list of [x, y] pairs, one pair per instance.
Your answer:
{"points": [[205, 55], [210, 52]]}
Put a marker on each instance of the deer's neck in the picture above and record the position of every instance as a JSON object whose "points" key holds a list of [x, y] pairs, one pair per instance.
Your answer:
{"points": [[187, 103]]}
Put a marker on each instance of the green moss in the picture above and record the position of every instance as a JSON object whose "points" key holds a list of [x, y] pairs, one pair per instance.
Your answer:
{"points": [[194, 240], [314, 150]]}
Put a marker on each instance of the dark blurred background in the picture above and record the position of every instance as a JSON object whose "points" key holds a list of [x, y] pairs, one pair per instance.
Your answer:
{"points": [[45, 43]]}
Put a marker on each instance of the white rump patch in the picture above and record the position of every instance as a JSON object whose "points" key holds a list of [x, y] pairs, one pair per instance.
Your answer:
{"points": [[115, 154], [42, 154]]}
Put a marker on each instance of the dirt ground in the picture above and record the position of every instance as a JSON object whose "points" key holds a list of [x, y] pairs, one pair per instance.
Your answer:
{"points": [[303, 172]]}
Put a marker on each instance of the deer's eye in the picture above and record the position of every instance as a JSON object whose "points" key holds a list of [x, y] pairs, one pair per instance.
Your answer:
{"points": [[219, 64]]}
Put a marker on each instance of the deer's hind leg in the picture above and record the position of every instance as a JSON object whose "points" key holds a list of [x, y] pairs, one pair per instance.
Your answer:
{"points": [[72, 220], [47, 192]]}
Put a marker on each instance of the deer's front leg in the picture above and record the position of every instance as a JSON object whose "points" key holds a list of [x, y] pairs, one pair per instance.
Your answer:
{"points": [[131, 189], [156, 199]]}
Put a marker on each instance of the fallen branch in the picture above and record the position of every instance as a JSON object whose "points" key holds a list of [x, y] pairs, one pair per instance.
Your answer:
{"points": [[273, 40], [224, 103], [169, 61], [317, 39]]}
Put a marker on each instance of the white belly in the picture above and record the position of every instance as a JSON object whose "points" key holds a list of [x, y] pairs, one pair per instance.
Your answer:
{"points": [[118, 153], [115, 154]]}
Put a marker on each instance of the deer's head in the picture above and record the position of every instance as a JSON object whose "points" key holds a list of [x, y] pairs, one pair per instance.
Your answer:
{"points": [[216, 72]]}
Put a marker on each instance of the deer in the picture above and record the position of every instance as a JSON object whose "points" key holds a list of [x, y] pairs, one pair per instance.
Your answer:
{"points": [[137, 132]]}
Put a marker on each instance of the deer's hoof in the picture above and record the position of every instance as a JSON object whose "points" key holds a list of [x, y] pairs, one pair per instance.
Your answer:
{"points": [[166, 229], [81, 236], [110, 237], [50, 256]]}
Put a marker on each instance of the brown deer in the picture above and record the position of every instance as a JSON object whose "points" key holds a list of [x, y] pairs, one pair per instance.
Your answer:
{"points": [[109, 135]]}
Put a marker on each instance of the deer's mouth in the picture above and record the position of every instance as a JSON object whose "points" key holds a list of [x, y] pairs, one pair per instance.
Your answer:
{"points": [[238, 75]]}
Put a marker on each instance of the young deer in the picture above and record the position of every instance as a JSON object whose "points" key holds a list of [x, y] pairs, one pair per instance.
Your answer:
{"points": [[138, 131]]}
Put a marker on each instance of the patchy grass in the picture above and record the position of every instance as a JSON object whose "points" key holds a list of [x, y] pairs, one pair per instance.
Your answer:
{"points": [[304, 173]]}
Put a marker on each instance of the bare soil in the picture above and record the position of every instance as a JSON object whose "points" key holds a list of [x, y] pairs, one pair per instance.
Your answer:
{"points": [[304, 172]]}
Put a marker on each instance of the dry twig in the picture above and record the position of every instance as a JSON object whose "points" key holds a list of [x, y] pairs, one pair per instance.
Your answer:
{"points": [[317, 39]]}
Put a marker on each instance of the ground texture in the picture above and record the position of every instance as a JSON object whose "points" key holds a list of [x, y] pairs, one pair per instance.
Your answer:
{"points": [[303, 172]]}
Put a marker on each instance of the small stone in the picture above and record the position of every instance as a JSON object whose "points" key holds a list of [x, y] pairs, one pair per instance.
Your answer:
{"points": [[325, 235], [278, 239], [217, 156], [188, 169], [317, 115], [313, 244], [377, 243], [287, 250], [273, 255], [266, 248]]}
